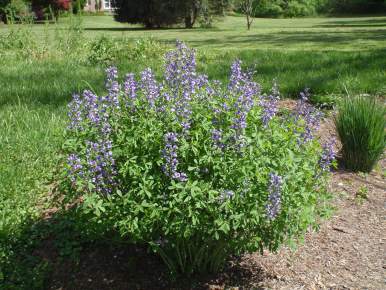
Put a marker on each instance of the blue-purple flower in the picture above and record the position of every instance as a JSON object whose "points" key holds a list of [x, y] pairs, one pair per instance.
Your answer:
{"points": [[180, 68], [75, 170], [274, 198], [245, 92], [112, 85], [270, 105], [328, 155], [130, 89], [150, 87], [226, 194], [309, 115], [101, 166], [75, 113], [217, 138], [169, 153]]}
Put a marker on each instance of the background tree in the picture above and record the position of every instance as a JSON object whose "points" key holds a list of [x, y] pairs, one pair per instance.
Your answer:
{"points": [[158, 13], [203, 8], [247, 7], [3, 4], [150, 13]]}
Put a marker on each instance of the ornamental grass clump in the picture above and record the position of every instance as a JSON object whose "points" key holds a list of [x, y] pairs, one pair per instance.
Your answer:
{"points": [[361, 127], [195, 169]]}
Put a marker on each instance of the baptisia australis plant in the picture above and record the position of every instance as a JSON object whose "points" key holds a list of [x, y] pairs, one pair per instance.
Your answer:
{"points": [[196, 169]]}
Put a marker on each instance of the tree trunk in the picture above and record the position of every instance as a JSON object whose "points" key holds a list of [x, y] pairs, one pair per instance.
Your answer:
{"points": [[188, 21], [195, 14], [248, 22], [4, 18], [149, 24]]}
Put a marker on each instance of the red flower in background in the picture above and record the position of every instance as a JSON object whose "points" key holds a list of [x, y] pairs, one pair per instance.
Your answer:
{"points": [[62, 4]]}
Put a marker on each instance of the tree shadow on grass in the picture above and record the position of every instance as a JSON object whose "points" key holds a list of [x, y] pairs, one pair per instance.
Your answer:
{"points": [[287, 38], [375, 22], [63, 255], [144, 29]]}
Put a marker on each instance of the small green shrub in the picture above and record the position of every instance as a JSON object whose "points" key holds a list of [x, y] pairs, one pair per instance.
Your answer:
{"points": [[361, 127], [71, 39], [195, 169], [19, 42], [18, 11], [267, 8], [106, 50], [146, 49], [299, 8], [102, 50]]}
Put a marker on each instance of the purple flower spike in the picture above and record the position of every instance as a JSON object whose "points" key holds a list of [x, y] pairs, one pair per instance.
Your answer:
{"points": [[130, 89], [101, 166], [150, 87], [75, 167], [274, 198], [180, 68], [309, 114], [112, 85], [270, 105], [244, 91], [169, 153], [328, 155], [75, 113]]}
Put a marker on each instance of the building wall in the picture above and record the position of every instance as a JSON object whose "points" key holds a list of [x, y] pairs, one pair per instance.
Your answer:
{"points": [[101, 5]]}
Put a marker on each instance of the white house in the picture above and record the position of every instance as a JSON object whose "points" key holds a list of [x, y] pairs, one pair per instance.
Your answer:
{"points": [[98, 5]]}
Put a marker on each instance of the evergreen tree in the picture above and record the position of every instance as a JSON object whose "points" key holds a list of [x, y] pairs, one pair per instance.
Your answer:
{"points": [[159, 13]]}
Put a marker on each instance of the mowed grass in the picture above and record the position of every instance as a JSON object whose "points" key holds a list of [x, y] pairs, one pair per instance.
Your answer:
{"points": [[329, 55], [321, 34], [332, 56]]}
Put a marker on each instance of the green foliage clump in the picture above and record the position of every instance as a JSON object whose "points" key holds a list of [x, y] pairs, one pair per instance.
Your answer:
{"points": [[16, 11], [361, 128], [292, 8], [106, 50], [300, 8], [146, 48], [102, 50], [16, 39], [196, 170]]}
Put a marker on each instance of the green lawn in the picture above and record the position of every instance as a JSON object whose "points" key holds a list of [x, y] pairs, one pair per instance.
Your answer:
{"points": [[315, 34], [332, 56]]}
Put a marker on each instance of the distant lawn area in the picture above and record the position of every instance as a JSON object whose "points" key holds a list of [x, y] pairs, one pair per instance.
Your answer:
{"points": [[315, 34], [331, 56]]}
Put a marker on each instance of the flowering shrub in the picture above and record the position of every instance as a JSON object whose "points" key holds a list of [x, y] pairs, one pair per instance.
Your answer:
{"points": [[198, 170]]}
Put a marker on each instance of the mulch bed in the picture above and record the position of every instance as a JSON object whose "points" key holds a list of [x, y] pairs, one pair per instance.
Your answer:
{"points": [[347, 252]]}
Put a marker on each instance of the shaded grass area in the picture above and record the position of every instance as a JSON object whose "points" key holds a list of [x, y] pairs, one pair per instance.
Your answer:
{"points": [[330, 56], [29, 141]]}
